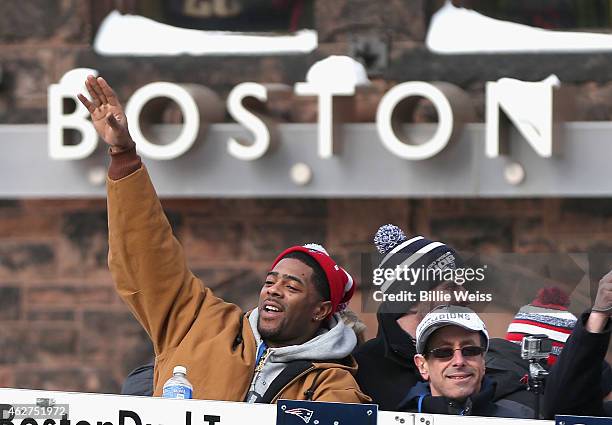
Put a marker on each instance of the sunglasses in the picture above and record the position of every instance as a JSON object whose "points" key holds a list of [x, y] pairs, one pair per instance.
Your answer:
{"points": [[446, 353]]}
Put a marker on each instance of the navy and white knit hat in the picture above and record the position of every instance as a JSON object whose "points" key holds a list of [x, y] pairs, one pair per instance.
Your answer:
{"points": [[416, 252], [546, 314]]}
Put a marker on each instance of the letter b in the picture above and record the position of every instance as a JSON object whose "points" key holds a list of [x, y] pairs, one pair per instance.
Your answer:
{"points": [[123, 414]]}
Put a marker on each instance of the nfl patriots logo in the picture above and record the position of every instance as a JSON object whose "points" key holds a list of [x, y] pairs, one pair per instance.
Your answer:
{"points": [[305, 412], [300, 412]]}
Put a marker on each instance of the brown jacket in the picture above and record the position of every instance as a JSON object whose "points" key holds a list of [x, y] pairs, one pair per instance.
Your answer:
{"points": [[187, 324]]}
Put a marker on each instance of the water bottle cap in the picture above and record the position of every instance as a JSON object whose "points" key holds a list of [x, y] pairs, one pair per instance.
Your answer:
{"points": [[180, 369]]}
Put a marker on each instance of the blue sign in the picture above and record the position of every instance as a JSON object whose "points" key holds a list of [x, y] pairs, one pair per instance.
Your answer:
{"points": [[581, 420], [294, 412]]}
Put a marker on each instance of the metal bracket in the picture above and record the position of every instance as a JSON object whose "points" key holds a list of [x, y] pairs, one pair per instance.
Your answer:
{"points": [[372, 51], [405, 419], [420, 419]]}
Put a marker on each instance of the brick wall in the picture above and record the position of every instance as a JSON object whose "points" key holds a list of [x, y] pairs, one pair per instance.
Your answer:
{"points": [[61, 324], [63, 327]]}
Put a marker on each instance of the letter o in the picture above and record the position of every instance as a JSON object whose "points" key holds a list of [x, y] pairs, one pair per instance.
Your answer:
{"points": [[191, 120], [445, 120]]}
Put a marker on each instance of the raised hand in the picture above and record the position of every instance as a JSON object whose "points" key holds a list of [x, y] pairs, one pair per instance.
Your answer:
{"points": [[602, 308], [107, 114], [603, 300]]}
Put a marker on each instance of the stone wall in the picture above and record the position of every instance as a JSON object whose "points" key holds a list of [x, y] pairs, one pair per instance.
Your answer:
{"points": [[61, 324], [41, 40]]}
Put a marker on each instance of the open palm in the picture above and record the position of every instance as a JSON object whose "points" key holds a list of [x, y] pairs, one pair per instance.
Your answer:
{"points": [[106, 113]]}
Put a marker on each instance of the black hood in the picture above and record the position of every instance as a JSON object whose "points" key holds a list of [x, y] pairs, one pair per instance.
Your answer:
{"points": [[506, 355], [386, 363], [399, 345], [506, 368]]}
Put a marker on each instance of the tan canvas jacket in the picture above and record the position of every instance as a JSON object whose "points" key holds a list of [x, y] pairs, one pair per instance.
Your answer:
{"points": [[187, 324]]}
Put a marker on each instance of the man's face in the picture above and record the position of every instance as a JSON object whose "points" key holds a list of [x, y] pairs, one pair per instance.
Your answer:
{"points": [[290, 308], [459, 376]]}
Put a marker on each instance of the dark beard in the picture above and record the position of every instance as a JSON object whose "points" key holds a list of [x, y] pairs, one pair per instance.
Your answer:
{"points": [[268, 334]]}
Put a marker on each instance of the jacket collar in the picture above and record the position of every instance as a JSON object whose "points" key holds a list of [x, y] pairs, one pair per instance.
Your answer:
{"points": [[419, 399]]}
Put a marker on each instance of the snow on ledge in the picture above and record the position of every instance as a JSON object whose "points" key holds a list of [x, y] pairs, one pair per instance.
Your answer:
{"points": [[133, 35], [457, 30]]}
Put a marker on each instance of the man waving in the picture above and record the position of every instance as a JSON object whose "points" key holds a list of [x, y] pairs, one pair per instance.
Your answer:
{"points": [[293, 345]]}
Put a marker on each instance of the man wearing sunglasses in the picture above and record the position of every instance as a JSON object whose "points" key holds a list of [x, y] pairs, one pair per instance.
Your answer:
{"points": [[451, 342], [386, 368]]}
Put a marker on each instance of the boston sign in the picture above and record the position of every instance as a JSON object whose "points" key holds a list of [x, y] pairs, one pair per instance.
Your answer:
{"points": [[532, 107]]}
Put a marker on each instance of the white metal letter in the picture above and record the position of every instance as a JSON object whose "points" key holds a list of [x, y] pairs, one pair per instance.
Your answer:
{"points": [[70, 84], [238, 147], [529, 106], [385, 128], [191, 119], [334, 76]]}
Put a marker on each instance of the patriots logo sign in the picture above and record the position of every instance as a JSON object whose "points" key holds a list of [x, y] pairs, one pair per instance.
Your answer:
{"points": [[302, 413], [321, 412]]}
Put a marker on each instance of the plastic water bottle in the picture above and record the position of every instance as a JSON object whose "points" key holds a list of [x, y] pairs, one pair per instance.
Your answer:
{"points": [[178, 386]]}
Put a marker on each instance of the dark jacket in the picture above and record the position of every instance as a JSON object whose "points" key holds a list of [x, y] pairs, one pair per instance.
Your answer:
{"points": [[387, 371], [420, 400], [506, 368], [139, 381], [386, 367], [576, 385]]}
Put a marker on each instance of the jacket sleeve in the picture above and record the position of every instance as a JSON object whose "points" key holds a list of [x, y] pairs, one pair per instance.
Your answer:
{"points": [[574, 384], [149, 268]]}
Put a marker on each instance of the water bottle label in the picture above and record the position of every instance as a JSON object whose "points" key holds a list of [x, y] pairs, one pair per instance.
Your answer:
{"points": [[176, 391]]}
